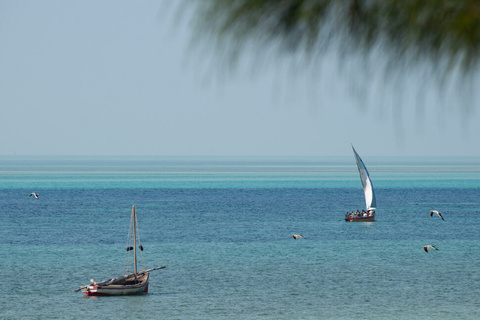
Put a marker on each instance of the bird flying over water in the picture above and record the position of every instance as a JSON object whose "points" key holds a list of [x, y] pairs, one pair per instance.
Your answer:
{"points": [[437, 213], [296, 236], [34, 194], [429, 247]]}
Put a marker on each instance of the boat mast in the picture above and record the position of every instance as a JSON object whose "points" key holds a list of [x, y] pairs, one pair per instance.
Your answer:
{"points": [[134, 218]]}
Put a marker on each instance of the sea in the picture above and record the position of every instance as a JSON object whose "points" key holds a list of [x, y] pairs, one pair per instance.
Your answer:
{"points": [[224, 226]]}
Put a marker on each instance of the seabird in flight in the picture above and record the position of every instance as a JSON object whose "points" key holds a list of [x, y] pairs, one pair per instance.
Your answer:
{"points": [[429, 247], [437, 213], [296, 236], [34, 194]]}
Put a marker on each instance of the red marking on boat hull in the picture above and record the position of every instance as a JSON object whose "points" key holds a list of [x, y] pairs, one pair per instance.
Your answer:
{"points": [[96, 294]]}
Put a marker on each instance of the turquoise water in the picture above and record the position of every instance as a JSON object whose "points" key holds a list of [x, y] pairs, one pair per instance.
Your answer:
{"points": [[223, 227]]}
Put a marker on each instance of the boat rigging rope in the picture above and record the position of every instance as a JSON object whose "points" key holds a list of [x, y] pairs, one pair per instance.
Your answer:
{"points": [[128, 253], [139, 245], [128, 265]]}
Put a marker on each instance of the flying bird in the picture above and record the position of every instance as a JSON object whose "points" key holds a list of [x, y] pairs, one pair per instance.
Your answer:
{"points": [[296, 236], [34, 194], [429, 247], [437, 213]]}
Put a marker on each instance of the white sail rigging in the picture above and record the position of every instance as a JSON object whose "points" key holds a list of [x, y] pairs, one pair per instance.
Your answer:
{"points": [[370, 201]]}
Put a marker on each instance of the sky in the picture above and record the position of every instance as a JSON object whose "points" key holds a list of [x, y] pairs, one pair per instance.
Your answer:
{"points": [[122, 78]]}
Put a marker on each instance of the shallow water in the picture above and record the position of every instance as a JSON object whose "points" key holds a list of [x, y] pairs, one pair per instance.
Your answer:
{"points": [[223, 227]]}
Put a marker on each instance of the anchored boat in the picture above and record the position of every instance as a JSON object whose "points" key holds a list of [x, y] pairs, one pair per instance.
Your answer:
{"points": [[370, 200], [135, 282]]}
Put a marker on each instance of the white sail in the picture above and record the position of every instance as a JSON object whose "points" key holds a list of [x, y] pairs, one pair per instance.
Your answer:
{"points": [[366, 182]]}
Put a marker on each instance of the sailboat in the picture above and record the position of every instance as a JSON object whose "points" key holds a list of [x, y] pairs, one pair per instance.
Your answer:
{"points": [[370, 200], [135, 282]]}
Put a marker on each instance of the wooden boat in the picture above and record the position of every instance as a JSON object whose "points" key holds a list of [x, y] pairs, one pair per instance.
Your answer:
{"points": [[128, 284], [371, 203]]}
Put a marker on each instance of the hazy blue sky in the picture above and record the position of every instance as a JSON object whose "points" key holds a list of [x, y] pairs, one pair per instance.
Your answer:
{"points": [[119, 77]]}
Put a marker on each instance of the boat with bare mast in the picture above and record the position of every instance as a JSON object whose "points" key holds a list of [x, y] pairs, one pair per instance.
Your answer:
{"points": [[135, 282]]}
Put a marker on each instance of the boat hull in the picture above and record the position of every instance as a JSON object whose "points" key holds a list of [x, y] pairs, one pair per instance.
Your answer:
{"points": [[360, 219], [118, 289]]}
